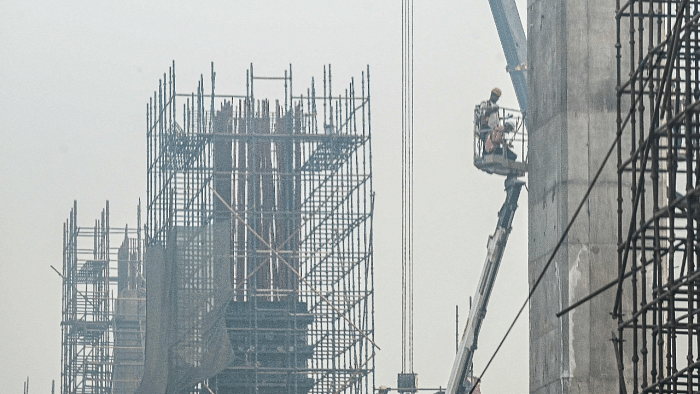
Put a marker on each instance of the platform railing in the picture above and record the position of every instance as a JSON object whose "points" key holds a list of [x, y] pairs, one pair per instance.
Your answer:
{"points": [[510, 155]]}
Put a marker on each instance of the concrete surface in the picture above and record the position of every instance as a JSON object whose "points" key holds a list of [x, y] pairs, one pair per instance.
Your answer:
{"points": [[572, 77]]}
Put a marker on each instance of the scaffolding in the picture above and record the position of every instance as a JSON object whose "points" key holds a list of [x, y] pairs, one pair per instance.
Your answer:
{"points": [[280, 195], [102, 347], [658, 151]]}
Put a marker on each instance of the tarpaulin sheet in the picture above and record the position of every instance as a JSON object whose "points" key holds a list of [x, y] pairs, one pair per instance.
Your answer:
{"points": [[188, 289]]}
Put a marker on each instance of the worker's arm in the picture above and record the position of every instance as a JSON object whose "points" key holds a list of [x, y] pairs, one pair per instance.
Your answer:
{"points": [[491, 109]]}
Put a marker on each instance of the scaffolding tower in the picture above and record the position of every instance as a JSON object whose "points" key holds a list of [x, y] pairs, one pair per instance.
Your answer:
{"points": [[658, 152], [103, 307], [280, 195]]}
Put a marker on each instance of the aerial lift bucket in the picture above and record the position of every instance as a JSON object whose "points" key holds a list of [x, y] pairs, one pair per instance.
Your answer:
{"points": [[509, 157]]}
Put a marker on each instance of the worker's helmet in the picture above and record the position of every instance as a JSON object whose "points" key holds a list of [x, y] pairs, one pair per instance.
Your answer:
{"points": [[496, 91]]}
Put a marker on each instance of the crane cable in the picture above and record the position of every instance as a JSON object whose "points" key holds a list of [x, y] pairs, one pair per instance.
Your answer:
{"points": [[407, 186]]}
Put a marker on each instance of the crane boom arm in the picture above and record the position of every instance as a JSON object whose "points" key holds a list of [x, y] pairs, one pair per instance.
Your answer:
{"points": [[514, 43], [458, 383]]}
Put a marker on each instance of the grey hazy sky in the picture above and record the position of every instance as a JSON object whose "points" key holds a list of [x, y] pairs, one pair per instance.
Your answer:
{"points": [[75, 77]]}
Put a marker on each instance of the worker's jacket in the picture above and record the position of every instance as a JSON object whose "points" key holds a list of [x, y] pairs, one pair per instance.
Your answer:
{"points": [[486, 120]]}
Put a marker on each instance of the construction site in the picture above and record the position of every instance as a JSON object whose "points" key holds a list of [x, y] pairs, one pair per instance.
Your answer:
{"points": [[249, 267]]}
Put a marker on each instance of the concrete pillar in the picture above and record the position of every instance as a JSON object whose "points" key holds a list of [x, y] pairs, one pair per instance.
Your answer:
{"points": [[572, 78]]}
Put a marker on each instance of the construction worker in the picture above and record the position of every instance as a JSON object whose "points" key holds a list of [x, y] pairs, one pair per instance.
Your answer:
{"points": [[496, 139], [489, 109], [488, 114]]}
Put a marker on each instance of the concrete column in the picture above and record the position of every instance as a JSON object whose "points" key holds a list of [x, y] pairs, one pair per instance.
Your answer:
{"points": [[572, 77]]}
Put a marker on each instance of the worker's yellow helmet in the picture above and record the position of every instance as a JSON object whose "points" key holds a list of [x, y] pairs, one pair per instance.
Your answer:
{"points": [[496, 91]]}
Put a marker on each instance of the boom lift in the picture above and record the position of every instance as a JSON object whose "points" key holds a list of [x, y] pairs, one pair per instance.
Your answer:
{"points": [[460, 380], [514, 43]]}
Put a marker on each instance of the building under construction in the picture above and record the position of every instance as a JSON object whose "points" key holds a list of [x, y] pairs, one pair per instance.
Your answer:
{"points": [[259, 239], [259, 222], [104, 307]]}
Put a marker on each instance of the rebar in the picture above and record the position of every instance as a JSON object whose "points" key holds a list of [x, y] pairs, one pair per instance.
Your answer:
{"points": [[658, 87]]}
